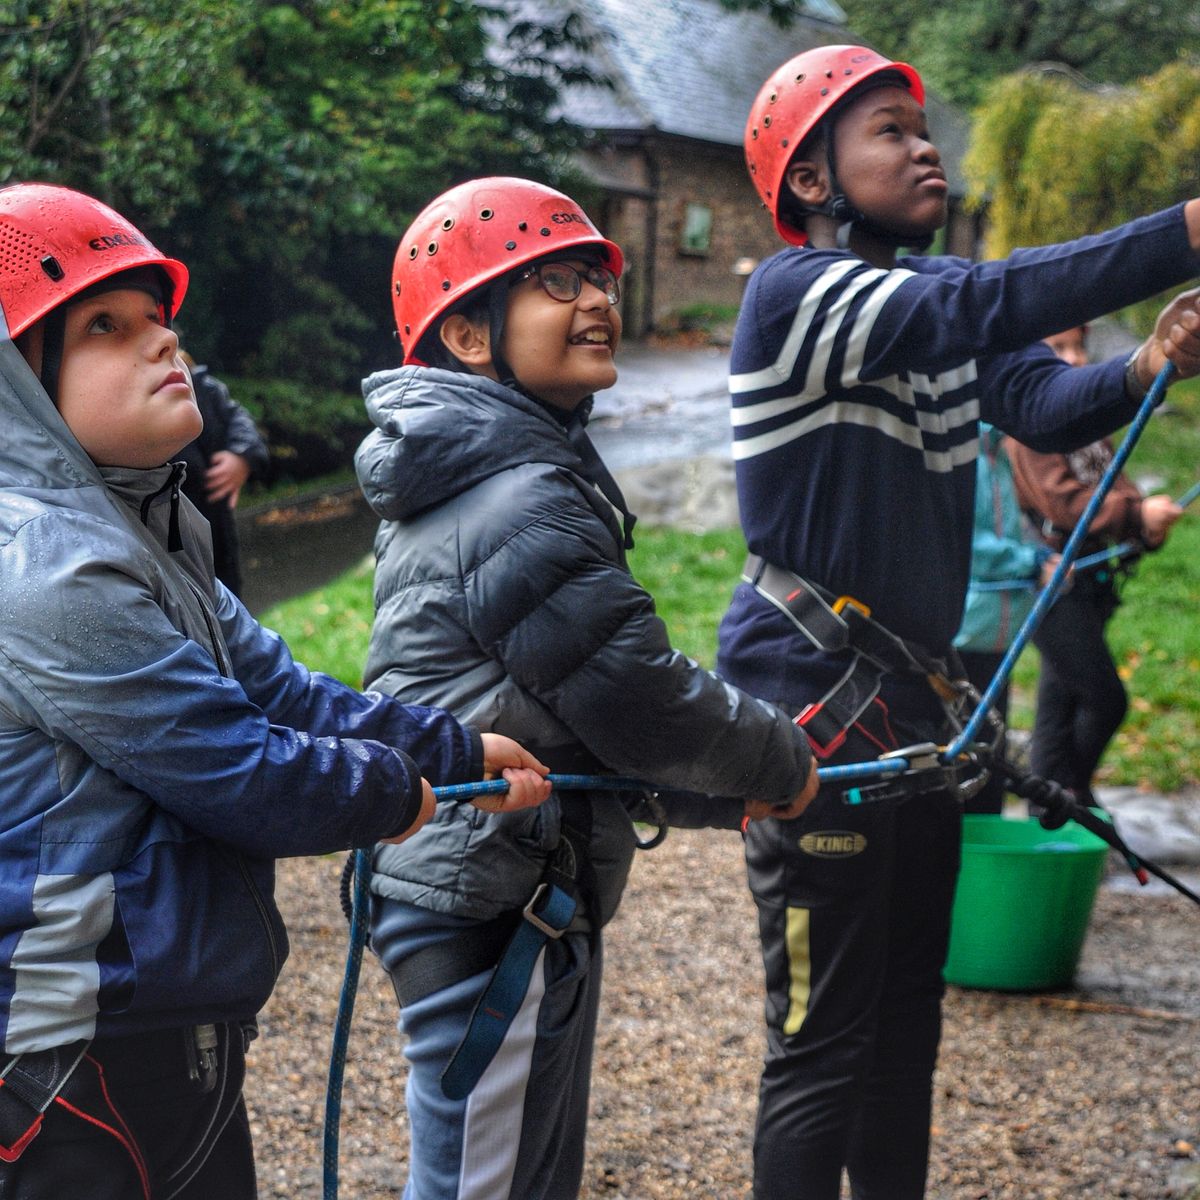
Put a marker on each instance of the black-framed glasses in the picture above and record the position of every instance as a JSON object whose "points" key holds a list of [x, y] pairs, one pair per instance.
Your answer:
{"points": [[563, 282]]}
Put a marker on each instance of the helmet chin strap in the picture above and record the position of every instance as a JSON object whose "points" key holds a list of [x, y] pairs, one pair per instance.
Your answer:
{"points": [[848, 217]]}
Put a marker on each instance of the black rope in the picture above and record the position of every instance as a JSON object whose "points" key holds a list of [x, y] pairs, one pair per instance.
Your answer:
{"points": [[1058, 806]]}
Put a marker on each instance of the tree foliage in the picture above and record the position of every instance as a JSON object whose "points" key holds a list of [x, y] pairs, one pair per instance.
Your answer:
{"points": [[279, 149], [1056, 160], [961, 45]]}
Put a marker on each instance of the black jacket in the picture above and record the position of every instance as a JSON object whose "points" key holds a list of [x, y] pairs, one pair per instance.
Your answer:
{"points": [[227, 426], [502, 593]]}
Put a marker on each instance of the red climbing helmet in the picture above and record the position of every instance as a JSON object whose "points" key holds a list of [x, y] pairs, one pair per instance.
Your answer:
{"points": [[475, 233], [791, 105], [56, 243]]}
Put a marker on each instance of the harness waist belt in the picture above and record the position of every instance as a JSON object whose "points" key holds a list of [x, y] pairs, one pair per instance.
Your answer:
{"points": [[28, 1085], [842, 624]]}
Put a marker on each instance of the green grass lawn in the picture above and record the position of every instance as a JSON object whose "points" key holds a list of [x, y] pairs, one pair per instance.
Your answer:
{"points": [[1155, 635]]}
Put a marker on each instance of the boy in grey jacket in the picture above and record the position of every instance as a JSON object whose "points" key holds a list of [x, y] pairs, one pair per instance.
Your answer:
{"points": [[502, 593]]}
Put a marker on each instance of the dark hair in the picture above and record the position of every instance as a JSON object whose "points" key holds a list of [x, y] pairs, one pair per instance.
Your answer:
{"points": [[485, 306], [476, 307]]}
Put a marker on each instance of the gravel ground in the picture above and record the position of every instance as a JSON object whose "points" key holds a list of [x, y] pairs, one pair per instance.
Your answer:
{"points": [[1093, 1092]]}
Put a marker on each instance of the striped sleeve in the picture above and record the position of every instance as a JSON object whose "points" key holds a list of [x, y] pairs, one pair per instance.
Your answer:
{"points": [[827, 371]]}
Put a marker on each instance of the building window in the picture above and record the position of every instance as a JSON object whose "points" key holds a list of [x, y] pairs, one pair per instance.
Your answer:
{"points": [[696, 234]]}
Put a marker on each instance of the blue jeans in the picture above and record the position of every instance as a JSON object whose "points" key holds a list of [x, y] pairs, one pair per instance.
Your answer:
{"points": [[520, 1133]]}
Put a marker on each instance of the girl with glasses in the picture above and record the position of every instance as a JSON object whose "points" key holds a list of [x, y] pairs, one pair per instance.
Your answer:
{"points": [[502, 592]]}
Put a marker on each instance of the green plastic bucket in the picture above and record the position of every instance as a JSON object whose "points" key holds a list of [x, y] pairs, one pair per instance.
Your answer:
{"points": [[1024, 898]]}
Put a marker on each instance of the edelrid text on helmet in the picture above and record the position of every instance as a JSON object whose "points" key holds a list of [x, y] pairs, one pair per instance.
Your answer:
{"points": [[792, 104], [56, 243], [475, 233]]}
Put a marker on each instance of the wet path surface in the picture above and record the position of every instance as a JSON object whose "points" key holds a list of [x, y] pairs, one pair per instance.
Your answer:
{"points": [[289, 549]]}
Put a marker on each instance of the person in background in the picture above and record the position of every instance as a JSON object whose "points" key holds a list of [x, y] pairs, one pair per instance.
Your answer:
{"points": [[1081, 700], [1008, 567], [229, 452]]}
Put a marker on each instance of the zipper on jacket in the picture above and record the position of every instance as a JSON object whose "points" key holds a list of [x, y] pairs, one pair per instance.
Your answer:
{"points": [[263, 913], [218, 645]]}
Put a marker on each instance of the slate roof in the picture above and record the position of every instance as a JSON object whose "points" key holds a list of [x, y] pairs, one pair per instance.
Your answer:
{"points": [[691, 68]]}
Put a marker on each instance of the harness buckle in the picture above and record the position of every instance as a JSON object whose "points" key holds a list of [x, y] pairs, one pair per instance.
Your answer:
{"points": [[920, 757], [532, 917], [849, 602]]}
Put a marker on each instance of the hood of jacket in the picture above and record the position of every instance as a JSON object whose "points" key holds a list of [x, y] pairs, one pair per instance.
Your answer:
{"points": [[438, 433], [43, 466]]}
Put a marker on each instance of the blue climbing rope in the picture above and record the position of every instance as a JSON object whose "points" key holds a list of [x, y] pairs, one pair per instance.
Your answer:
{"points": [[360, 899], [1153, 399], [360, 902], [844, 772]]}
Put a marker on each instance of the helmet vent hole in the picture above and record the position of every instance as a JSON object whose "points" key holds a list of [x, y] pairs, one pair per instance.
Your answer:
{"points": [[766, 122], [544, 231], [448, 224], [397, 289], [445, 285], [774, 97], [800, 77], [432, 248], [824, 91], [510, 245], [784, 144], [53, 267], [17, 248], [412, 252], [754, 133], [524, 225], [486, 214]]}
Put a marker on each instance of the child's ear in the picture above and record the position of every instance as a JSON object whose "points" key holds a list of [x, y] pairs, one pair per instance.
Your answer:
{"points": [[469, 342], [808, 181]]}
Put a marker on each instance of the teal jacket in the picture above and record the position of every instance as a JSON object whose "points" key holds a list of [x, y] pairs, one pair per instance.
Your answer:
{"points": [[1004, 562]]}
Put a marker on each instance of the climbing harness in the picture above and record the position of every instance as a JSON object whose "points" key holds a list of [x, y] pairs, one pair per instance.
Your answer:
{"points": [[842, 624], [837, 624]]}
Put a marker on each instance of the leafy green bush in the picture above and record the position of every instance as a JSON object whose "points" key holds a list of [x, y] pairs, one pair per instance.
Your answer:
{"points": [[311, 431]]}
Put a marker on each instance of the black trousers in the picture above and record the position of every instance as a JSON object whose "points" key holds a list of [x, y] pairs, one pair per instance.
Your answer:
{"points": [[1081, 700], [854, 918], [133, 1124]]}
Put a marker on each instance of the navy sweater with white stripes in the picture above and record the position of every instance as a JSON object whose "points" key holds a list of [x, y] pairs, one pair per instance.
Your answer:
{"points": [[857, 395]]}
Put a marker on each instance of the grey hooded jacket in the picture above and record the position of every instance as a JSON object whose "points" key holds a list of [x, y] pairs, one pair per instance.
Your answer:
{"points": [[158, 750], [502, 594]]}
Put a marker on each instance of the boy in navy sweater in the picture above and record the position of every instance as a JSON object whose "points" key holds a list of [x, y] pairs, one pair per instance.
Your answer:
{"points": [[858, 384]]}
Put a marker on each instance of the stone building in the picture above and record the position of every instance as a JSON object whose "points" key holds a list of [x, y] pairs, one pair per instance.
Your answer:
{"points": [[665, 166]]}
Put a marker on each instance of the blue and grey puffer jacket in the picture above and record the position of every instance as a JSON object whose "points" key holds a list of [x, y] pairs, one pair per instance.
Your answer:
{"points": [[158, 749], [502, 594]]}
